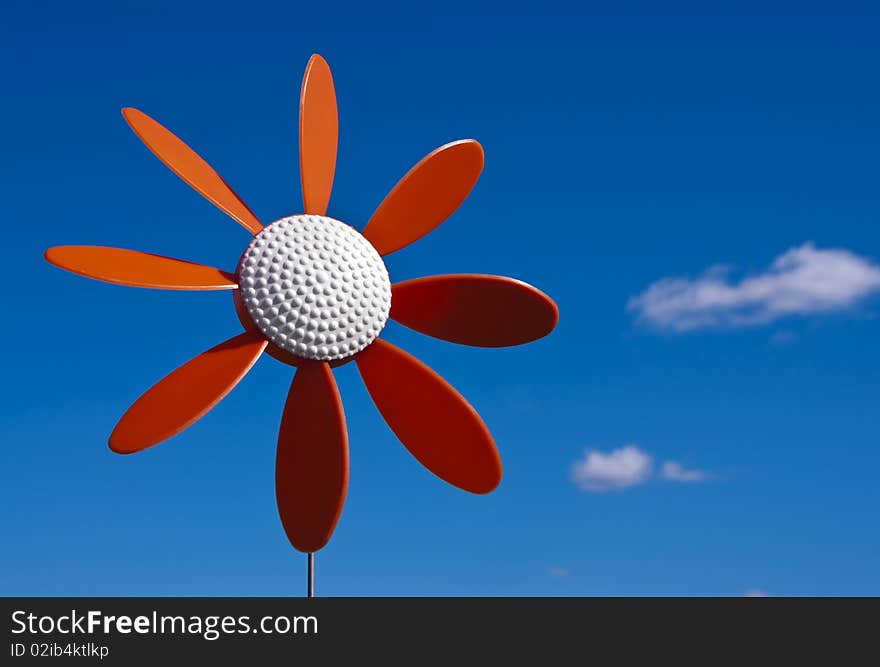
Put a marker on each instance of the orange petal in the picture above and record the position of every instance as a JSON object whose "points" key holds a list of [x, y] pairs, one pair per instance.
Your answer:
{"points": [[430, 418], [426, 196], [318, 135], [185, 395], [311, 466], [473, 309], [138, 269], [198, 174]]}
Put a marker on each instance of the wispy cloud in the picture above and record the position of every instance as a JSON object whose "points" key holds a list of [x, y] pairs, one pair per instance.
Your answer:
{"points": [[626, 467], [618, 469], [803, 280], [559, 572], [783, 338], [755, 593], [675, 472]]}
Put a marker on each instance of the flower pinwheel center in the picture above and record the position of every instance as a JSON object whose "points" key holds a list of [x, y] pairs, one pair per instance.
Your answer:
{"points": [[315, 287]]}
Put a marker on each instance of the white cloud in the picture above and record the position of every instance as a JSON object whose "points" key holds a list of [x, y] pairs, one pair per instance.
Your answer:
{"points": [[803, 280], [755, 593], [625, 467], [783, 338], [675, 472], [618, 469], [559, 572]]}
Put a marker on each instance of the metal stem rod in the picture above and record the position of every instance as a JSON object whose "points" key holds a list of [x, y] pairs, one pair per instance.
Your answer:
{"points": [[311, 571]]}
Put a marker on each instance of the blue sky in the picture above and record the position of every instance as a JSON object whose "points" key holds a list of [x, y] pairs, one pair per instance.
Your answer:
{"points": [[624, 150]]}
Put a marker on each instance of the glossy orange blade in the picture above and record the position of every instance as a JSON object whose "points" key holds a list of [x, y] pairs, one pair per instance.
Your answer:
{"points": [[318, 135], [198, 174], [311, 465], [473, 309], [426, 196], [185, 395], [138, 269], [430, 418]]}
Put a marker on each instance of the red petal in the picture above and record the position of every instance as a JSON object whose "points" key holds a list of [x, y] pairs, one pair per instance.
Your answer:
{"points": [[428, 194], [430, 418], [311, 466], [472, 309], [195, 172], [185, 395], [318, 135], [138, 269]]}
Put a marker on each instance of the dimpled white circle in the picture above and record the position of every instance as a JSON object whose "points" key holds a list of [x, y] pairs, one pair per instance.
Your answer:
{"points": [[315, 287]]}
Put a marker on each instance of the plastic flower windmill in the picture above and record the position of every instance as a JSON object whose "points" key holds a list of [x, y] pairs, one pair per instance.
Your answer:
{"points": [[314, 293]]}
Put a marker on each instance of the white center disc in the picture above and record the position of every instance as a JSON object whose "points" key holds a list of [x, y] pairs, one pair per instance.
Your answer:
{"points": [[315, 287]]}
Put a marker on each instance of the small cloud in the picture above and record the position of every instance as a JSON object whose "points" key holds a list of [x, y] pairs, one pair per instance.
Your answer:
{"points": [[804, 280], [675, 472], [755, 593], [618, 469], [559, 572], [626, 467], [783, 337]]}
